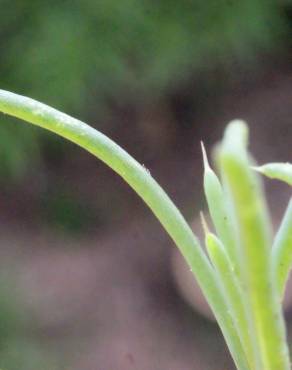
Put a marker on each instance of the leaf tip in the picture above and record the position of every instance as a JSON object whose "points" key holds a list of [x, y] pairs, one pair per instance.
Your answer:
{"points": [[205, 157]]}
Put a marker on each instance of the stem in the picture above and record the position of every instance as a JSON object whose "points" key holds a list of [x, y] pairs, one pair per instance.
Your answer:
{"points": [[146, 187]]}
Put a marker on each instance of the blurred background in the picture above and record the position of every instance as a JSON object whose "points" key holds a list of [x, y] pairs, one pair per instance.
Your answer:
{"points": [[89, 280]]}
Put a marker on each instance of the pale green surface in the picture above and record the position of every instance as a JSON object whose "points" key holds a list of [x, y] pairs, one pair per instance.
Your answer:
{"points": [[255, 241], [282, 251], [233, 293], [148, 189], [218, 209], [279, 171]]}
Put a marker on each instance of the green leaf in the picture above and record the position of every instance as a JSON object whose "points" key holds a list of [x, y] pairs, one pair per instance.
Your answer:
{"points": [[282, 250], [279, 171], [233, 292], [254, 234], [218, 209]]}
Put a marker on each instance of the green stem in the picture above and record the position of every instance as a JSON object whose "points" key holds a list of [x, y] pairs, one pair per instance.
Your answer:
{"points": [[146, 187]]}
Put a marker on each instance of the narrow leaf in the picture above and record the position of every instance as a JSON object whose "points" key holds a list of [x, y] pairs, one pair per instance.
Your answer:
{"points": [[282, 250], [279, 171], [219, 211], [234, 295], [253, 228]]}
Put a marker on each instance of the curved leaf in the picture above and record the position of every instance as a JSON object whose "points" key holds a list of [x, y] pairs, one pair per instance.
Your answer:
{"points": [[279, 171]]}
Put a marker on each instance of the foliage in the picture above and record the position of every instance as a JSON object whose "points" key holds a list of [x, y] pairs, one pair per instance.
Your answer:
{"points": [[281, 171], [87, 55], [243, 280]]}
